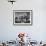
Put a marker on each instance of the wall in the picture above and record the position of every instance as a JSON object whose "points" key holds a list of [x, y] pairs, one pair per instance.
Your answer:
{"points": [[37, 31]]}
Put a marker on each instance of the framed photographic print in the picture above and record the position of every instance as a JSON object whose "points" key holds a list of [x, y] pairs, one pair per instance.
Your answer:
{"points": [[22, 17]]}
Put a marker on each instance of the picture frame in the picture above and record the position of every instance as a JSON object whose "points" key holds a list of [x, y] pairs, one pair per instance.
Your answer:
{"points": [[22, 17]]}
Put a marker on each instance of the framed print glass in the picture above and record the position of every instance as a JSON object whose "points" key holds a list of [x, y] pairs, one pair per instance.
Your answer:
{"points": [[22, 17]]}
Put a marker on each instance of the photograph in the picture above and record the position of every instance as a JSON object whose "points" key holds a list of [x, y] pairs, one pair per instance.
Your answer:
{"points": [[22, 22], [22, 17]]}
